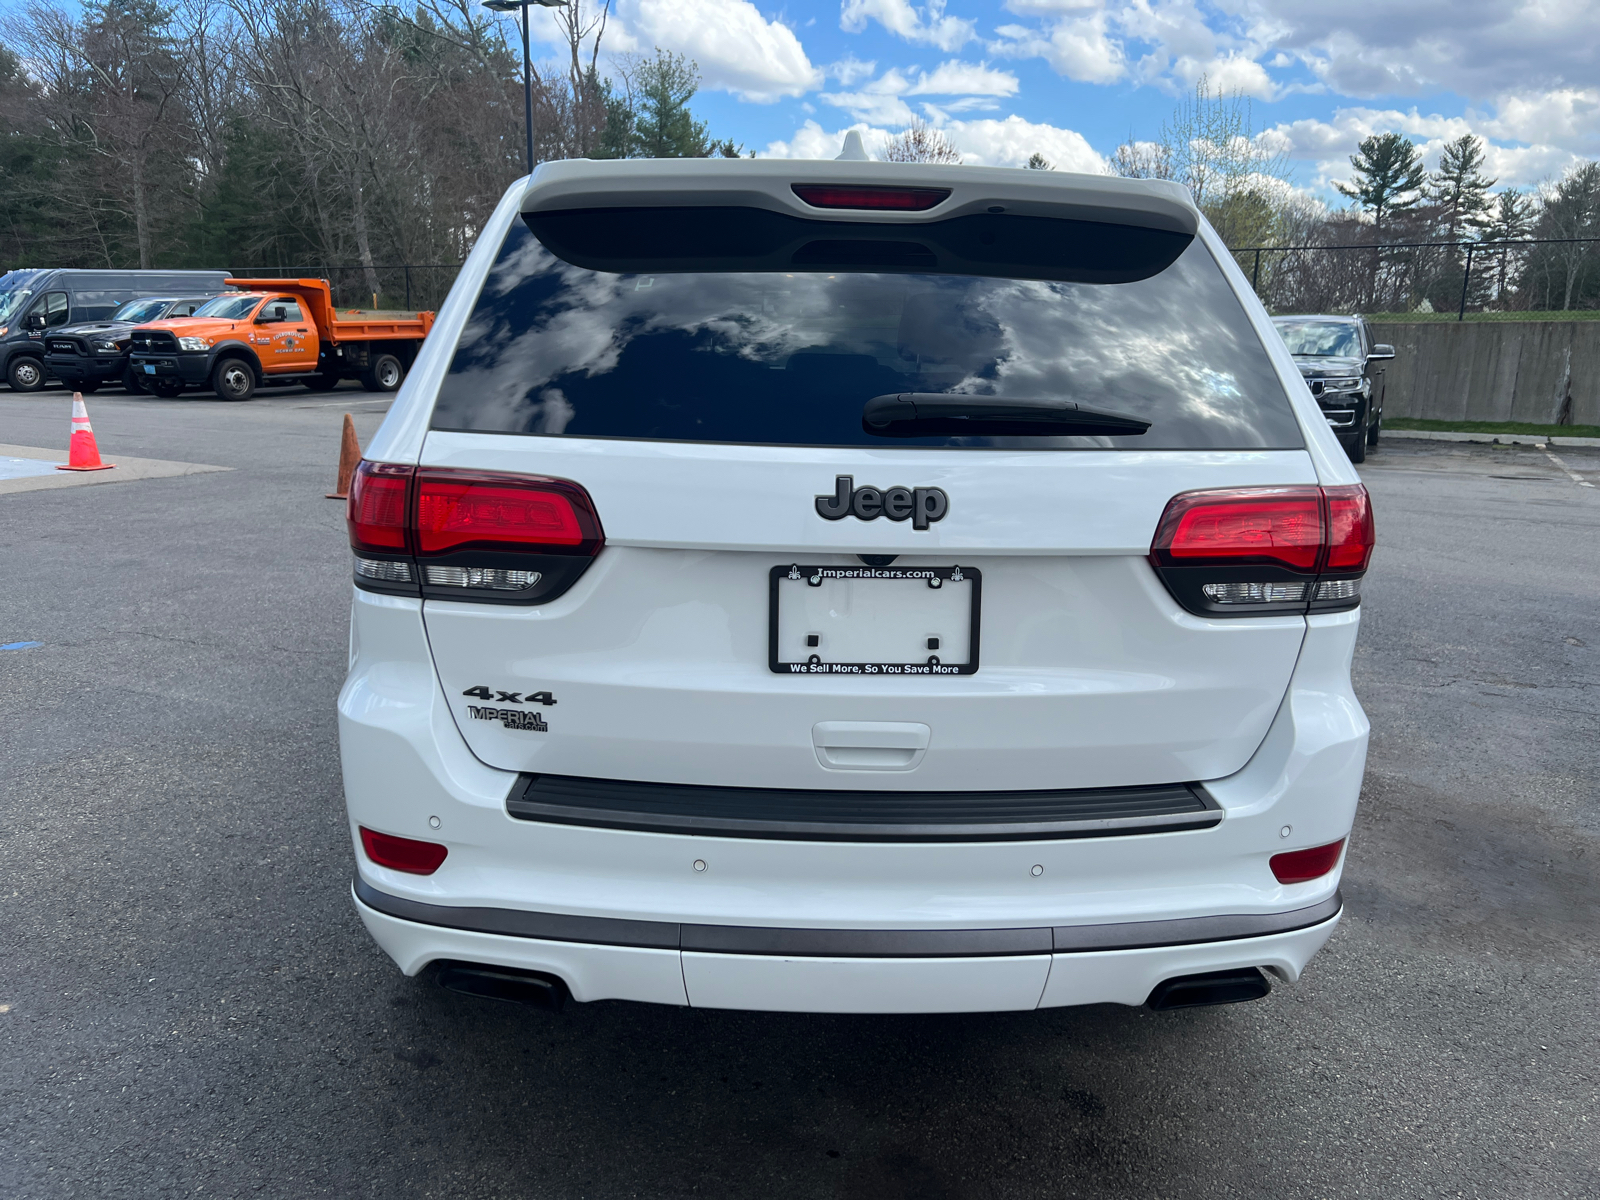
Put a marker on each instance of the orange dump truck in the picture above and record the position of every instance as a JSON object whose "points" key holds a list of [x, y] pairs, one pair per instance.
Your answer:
{"points": [[273, 331]]}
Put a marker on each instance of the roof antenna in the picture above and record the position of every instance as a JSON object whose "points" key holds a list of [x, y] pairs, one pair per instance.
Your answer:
{"points": [[853, 150]]}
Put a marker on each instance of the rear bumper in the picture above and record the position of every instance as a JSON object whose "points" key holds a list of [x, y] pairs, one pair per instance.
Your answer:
{"points": [[847, 970], [408, 772]]}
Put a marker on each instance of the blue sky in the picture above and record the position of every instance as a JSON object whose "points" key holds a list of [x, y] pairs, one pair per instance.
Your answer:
{"points": [[1073, 78]]}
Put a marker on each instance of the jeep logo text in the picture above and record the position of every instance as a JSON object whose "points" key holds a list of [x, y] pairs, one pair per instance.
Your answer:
{"points": [[923, 505]]}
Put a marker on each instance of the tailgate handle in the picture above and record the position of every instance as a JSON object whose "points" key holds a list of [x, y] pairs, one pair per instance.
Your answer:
{"points": [[870, 745]]}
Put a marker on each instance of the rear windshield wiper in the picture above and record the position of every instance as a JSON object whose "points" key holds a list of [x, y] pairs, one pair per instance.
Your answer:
{"points": [[919, 414]]}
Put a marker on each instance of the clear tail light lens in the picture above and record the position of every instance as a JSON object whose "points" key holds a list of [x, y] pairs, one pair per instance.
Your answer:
{"points": [[1301, 866], [1236, 552], [468, 535]]}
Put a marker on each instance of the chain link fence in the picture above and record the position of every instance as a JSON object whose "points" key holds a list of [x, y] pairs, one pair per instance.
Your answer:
{"points": [[1508, 280]]}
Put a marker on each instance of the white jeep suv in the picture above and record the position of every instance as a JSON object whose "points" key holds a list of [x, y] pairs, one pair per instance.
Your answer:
{"points": [[852, 587]]}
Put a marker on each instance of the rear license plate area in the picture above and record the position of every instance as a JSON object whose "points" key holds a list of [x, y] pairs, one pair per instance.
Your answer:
{"points": [[842, 620]]}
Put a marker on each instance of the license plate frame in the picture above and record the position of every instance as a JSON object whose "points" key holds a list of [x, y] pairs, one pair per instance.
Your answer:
{"points": [[801, 575]]}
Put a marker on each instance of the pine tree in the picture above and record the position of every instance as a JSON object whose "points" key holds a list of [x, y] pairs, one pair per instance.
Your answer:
{"points": [[1038, 162], [663, 125], [1459, 188], [1510, 220], [1388, 177]]}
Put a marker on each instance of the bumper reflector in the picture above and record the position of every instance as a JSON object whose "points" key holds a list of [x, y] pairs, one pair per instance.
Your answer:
{"points": [[402, 854], [383, 571], [1298, 866], [1254, 593], [482, 577]]}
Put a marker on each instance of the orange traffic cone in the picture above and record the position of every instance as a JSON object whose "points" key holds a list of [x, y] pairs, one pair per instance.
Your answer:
{"points": [[349, 456], [82, 454]]}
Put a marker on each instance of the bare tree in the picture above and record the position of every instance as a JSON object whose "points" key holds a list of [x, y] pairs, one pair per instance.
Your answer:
{"points": [[921, 142]]}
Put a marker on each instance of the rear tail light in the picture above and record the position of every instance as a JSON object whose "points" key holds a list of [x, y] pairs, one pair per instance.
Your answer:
{"points": [[402, 854], [468, 535], [1258, 551], [1300, 866], [903, 199]]}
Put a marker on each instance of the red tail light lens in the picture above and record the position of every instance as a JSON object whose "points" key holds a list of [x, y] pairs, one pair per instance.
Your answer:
{"points": [[1238, 552], [1351, 533], [1299, 866], [376, 511], [1242, 526], [457, 511], [828, 195], [402, 854]]}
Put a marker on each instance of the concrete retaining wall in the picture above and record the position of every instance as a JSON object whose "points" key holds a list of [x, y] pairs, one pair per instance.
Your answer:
{"points": [[1494, 371]]}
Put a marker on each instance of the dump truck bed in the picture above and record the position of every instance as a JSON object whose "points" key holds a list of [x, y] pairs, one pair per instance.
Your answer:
{"points": [[352, 325]]}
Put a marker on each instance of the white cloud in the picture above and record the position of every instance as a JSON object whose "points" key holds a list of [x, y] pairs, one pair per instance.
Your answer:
{"points": [[1081, 48], [982, 142], [1476, 48], [1010, 142], [878, 102], [812, 141], [850, 69], [964, 79], [927, 26], [737, 49]]}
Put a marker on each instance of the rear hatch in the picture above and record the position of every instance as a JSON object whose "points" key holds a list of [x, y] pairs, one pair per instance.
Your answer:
{"points": [[957, 598]]}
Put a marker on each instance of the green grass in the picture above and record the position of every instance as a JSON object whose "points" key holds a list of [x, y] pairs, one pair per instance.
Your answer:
{"points": [[1435, 318], [1492, 427]]}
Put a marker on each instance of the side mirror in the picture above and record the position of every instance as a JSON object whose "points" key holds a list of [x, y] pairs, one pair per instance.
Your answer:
{"points": [[35, 321], [268, 318], [1382, 351]]}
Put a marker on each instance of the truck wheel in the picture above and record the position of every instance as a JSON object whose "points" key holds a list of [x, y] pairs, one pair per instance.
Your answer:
{"points": [[167, 389], [25, 374], [232, 379], [383, 374], [1375, 432], [1355, 447], [321, 383], [132, 383]]}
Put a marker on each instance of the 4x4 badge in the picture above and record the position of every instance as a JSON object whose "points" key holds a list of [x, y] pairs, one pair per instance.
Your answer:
{"points": [[923, 505]]}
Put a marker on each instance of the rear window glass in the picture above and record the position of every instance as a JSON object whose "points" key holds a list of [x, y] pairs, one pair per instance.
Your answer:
{"points": [[739, 325]]}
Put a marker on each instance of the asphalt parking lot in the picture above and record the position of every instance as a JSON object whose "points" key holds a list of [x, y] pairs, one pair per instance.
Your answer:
{"points": [[189, 1005]]}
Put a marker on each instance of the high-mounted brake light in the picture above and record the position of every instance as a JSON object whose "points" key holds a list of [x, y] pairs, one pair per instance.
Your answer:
{"points": [[1262, 550], [402, 854], [1301, 866], [469, 535], [903, 199]]}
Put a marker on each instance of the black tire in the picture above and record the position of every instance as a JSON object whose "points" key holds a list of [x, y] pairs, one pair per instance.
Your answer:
{"points": [[1355, 447], [167, 389], [384, 373], [132, 383], [89, 388], [321, 383], [25, 374], [233, 379], [1375, 432]]}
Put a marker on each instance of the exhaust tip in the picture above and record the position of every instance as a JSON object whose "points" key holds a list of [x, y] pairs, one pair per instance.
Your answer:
{"points": [[533, 988], [1213, 987]]}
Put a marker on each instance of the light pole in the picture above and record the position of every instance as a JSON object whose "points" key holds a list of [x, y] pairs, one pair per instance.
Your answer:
{"points": [[527, 62]]}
